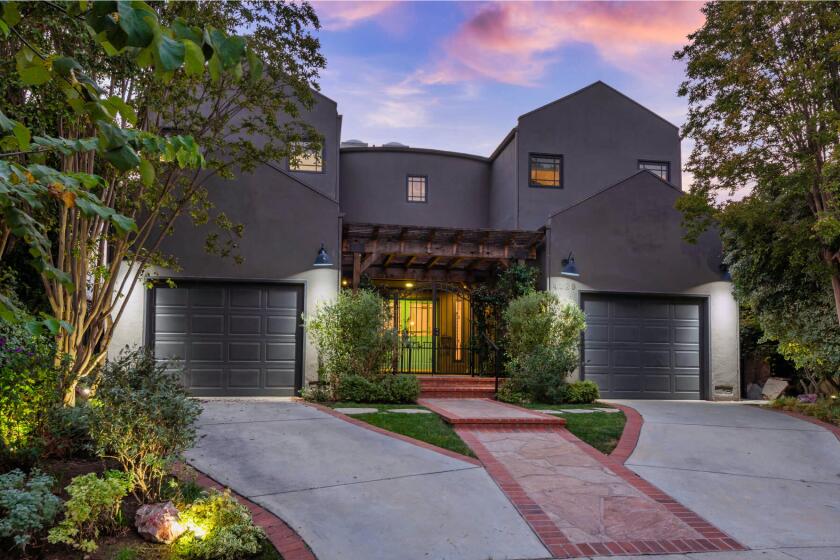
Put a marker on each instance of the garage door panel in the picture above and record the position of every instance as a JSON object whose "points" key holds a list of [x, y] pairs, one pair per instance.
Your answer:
{"points": [[597, 333], [281, 325], [244, 378], [207, 351], [207, 297], [245, 324], [687, 383], [169, 350], [657, 383], [687, 335], [653, 349], [231, 339], [205, 378], [172, 297], [207, 324], [625, 333], [171, 323], [245, 297]]}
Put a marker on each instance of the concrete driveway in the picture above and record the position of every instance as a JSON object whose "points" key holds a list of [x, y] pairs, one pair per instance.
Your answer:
{"points": [[769, 480], [352, 493]]}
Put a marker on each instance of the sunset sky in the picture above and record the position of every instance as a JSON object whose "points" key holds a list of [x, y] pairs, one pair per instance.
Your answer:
{"points": [[456, 75]]}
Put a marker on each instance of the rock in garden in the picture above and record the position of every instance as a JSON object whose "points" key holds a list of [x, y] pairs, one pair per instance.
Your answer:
{"points": [[158, 522], [774, 387]]}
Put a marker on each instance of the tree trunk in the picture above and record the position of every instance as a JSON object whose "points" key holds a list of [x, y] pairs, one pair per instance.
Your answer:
{"points": [[835, 287]]}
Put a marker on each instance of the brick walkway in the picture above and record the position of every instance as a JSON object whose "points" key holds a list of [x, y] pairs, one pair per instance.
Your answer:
{"points": [[578, 501]]}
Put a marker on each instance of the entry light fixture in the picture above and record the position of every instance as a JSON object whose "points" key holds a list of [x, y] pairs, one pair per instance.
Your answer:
{"points": [[409, 285], [344, 282], [323, 259], [724, 272], [569, 268]]}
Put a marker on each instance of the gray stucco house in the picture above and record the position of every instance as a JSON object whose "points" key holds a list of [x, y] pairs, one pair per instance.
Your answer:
{"points": [[583, 188]]}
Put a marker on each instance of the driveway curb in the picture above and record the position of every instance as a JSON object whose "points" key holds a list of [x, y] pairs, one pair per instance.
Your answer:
{"points": [[630, 436], [288, 543], [830, 427], [384, 432]]}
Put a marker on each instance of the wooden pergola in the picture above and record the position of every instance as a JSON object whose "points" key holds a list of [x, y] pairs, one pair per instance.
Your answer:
{"points": [[392, 252]]}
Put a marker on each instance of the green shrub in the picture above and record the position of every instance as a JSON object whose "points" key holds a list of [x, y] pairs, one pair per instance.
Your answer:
{"points": [[825, 409], [93, 508], [543, 336], [219, 528], [582, 392], [143, 418], [29, 387], [66, 432], [27, 506], [354, 336], [386, 389], [402, 388]]}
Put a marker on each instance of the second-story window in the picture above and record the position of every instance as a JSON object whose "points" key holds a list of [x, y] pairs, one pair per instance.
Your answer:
{"points": [[416, 188], [661, 168], [306, 157], [545, 171]]}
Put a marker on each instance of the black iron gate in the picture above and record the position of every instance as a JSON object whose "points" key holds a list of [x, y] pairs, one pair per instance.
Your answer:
{"points": [[437, 333]]}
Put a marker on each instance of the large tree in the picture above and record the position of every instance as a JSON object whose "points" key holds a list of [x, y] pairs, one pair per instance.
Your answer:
{"points": [[236, 97], [763, 86]]}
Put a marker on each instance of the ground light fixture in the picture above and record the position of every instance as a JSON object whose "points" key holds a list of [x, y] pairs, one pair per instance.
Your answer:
{"points": [[323, 259], [569, 268]]}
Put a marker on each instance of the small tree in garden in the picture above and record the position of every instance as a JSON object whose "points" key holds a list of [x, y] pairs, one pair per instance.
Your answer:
{"points": [[354, 335], [143, 418], [103, 152], [543, 338]]}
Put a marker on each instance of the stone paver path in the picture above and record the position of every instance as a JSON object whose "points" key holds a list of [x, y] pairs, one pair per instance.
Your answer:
{"points": [[577, 500]]}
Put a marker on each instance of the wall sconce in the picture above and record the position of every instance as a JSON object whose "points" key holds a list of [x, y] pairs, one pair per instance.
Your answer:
{"points": [[322, 260], [569, 268]]}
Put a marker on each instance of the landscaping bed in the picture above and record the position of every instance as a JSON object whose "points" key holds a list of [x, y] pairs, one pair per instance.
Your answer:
{"points": [[826, 409], [601, 430], [429, 428]]}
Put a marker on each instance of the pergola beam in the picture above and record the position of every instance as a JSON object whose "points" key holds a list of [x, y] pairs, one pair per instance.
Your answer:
{"points": [[438, 249]]}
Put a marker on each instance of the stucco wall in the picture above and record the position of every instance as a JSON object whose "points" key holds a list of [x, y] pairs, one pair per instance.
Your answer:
{"points": [[502, 204], [285, 223], [373, 188], [601, 135], [629, 239]]}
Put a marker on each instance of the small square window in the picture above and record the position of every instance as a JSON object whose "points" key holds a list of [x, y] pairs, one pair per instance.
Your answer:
{"points": [[660, 168], [545, 171], [416, 188], [306, 157]]}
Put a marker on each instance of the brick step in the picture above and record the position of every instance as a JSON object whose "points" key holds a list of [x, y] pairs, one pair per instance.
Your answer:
{"points": [[470, 393]]}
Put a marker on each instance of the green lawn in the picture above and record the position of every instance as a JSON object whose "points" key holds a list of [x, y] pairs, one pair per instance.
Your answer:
{"points": [[599, 429], [425, 427]]}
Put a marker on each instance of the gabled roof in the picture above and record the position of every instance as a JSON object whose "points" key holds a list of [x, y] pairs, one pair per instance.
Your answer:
{"points": [[601, 84], [614, 185]]}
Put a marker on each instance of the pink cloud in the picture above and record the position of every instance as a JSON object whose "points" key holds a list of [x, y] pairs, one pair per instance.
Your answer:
{"points": [[513, 42], [336, 16]]}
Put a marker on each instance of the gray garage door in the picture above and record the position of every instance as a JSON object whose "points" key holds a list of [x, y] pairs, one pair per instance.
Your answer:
{"points": [[231, 339], [643, 347]]}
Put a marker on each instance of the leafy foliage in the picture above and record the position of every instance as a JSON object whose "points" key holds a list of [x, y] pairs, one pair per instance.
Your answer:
{"points": [[542, 346], [582, 392], [93, 508], [27, 506], [66, 433], [123, 127], [354, 336], [764, 113], [143, 418], [385, 389], [489, 302], [28, 390], [219, 528], [827, 409]]}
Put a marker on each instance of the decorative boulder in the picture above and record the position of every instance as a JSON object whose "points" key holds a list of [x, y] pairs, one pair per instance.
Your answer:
{"points": [[774, 387], [159, 522]]}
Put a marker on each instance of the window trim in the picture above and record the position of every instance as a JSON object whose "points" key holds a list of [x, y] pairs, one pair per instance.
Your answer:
{"points": [[656, 162], [562, 185], [425, 178], [323, 161]]}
